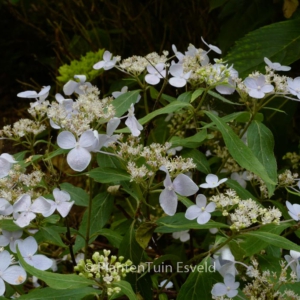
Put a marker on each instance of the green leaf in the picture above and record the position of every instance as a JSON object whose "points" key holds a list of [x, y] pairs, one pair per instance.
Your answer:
{"points": [[113, 237], [199, 283], [252, 245], [248, 53], [218, 96], [54, 280], [191, 142], [197, 94], [199, 159], [174, 106], [102, 206], [239, 151], [57, 152], [274, 239], [130, 248], [154, 94], [77, 194], [108, 175], [185, 97], [261, 142], [50, 294], [123, 102], [126, 289], [144, 234], [178, 222], [49, 235], [8, 225], [108, 161]]}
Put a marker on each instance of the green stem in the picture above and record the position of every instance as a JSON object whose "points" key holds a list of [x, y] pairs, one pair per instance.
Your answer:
{"points": [[88, 225]]}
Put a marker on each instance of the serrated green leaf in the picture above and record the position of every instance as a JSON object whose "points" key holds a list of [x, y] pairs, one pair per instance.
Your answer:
{"points": [[77, 194], [50, 294], [144, 234], [56, 281], [239, 151], [123, 102], [261, 142], [261, 44], [108, 175]]}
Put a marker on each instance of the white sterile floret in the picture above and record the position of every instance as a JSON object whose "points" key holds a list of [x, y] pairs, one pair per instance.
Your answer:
{"points": [[293, 262], [201, 211], [24, 211], [228, 288], [178, 54], [132, 123], [62, 203], [294, 86], [224, 261], [276, 66], [258, 87], [107, 63], [124, 90], [212, 181], [156, 73], [28, 248], [104, 140], [169, 285], [240, 177], [5, 207], [74, 86], [10, 238], [294, 210], [40, 97], [14, 275], [212, 47], [183, 236], [180, 78], [6, 161], [79, 157], [182, 184]]}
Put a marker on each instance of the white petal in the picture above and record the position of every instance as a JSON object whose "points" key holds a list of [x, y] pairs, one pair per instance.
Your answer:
{"points": [[99, 65], [70, 87], [112, 125], [61, 196], [184, 185], [4, 241], [5, 207], [87, 139], [201, 200], [8, 157], [5, 260], [14, 275], [24, 219], [54, 125], [28, 94], [52, 209], [219, 289], [82, 78], [28, 247], [40, 205], [64, 208], [22, 204], [134, 126], [210, 207], [2, 287], [177, 82], [78, 159], [192, 212], [66, 140], [152, 79], [232, 293], [168, 201], [203, 218], [4, 167], [41, 262]]}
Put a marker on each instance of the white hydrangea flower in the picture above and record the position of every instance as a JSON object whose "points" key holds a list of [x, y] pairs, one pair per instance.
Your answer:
{"points": [[25, 211], [79, 157], [294, 210], [14, 275], [201, 211], [257, 87], [276, 66], [10, 237], [74, 86], [6, 161], [294, 86], [105, 139], [293, 262], [132, 123], [212, 47], [183, 236], [107, 63], [179, 78], [182, 184], [28, 248], [212, 181], [62, 203], [156, 73], [228, 288], [40, 97], [178, 54]]}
